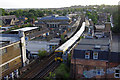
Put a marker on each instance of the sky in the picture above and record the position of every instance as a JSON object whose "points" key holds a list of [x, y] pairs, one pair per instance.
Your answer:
{"points": [[52, 3]]}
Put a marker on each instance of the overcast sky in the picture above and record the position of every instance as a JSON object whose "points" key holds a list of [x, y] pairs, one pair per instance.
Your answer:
{"points": [[52, 3]]}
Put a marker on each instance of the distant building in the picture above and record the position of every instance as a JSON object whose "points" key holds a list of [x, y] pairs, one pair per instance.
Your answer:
{"points": [[102, 18], [13, 54], [54, 21], [92, 58], [8, 20]]}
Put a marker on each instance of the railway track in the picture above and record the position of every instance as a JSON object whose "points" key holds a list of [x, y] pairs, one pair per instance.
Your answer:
{"points": [[40, 68], [45, 72], [45, 67]]}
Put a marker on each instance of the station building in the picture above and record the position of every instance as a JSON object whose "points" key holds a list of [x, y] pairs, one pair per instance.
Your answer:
{"points": [[54, 21], [92, 58], [12, 54]]}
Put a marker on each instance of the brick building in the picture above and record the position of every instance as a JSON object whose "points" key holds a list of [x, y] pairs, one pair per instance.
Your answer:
{"points": [[92, 58], [13, 54]]}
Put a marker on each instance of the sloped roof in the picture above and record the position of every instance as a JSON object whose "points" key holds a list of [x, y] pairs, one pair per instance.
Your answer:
{"points": [[102, 55], [8, 21], [55, 18]]}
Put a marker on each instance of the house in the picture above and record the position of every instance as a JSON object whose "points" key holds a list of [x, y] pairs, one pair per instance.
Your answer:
{"points": [[13, 54], [102, 30], [8, 20], [92, 58], [102, 18]]}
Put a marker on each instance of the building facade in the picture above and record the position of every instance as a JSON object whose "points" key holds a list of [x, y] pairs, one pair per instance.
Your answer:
{"points": [[8, 20], [54, 21], [92, 58], [13, 54]]}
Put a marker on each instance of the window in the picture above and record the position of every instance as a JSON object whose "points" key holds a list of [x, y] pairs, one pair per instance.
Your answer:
{"points": [[4, 50], [117, 73], [87, 54], [16, 46], [5, 67], [95, 55]]}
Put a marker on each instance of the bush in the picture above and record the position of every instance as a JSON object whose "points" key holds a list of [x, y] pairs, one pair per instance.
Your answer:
{"points": [[62, 72], [42, 54]]}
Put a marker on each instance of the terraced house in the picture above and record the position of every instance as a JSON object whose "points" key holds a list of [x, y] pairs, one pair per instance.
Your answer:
{"points": [[93, 58], [13, 54]]}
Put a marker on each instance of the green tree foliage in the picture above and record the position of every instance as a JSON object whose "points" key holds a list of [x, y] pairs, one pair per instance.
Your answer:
{"points": [[42, 53], [3, 12], [62, 38], [51, 76], [116, 19], [28, 13], [62, 72], [92, 15]]}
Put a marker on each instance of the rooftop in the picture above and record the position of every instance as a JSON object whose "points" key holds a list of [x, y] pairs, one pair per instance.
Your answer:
{"points": [[100, 26], [11, 38], [7, 17], [55, 40], [91, 44], [55, 18], [102, 55], [26, 29]]}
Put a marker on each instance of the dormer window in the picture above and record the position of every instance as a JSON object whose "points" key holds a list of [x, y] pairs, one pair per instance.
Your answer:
{"points": [[95, 55], [87, 54]]}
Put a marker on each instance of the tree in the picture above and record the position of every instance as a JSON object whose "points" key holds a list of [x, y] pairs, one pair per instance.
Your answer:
{"points": [[62, 72], [42, 54]]}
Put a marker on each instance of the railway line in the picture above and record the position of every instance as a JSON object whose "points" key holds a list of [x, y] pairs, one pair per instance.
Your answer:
{"points": [[50, 64], [40, 68], [45, 72]]}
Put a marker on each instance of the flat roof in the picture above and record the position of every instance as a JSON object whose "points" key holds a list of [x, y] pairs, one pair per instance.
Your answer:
{"points": [[100, 26], [89, 44], [91, 47], [55, 40], [9, 37], [26, 29], [101, 41]]}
